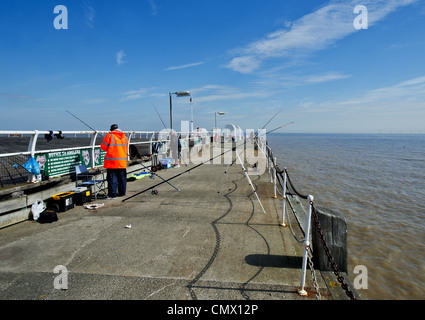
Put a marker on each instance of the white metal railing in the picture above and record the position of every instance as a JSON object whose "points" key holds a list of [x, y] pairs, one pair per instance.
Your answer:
{"points": [[36, 133], [284, 198], [271, 162], [32, 150], [301, 290]]}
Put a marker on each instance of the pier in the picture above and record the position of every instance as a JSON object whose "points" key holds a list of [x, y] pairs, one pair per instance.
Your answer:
{"points": [[209, 241]]}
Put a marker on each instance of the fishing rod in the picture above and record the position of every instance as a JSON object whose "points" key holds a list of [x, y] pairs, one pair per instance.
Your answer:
{"points": [[272, 118], [163, 123], [157, 175], [208, 161], [159, 116], [181, 173], [287, 124], [82, 121], [256, 135], [138, 162], [161, 182], [233, 149]]}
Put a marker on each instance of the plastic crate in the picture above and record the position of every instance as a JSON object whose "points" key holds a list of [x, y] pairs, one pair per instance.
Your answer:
{"points": [[166, 163]]}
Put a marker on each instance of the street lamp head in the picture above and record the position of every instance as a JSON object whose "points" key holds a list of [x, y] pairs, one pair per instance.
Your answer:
{"points": [[221, 113], [182, 93]]}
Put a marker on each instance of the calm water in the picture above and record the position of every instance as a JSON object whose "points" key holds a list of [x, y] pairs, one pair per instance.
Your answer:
{"points": [[378, 183]]}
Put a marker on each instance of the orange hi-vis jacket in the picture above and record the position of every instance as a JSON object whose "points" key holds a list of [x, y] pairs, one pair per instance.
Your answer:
{"points": [[116, 146]]}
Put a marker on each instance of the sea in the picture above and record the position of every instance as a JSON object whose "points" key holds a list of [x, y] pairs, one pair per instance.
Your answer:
{"points": [[377, 182]]}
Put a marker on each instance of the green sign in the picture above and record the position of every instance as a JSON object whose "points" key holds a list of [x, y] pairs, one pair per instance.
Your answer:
{"points": [[64, 162]]}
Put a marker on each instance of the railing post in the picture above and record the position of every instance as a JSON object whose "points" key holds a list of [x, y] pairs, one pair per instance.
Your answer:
{"points": [[301, 290], [271, 172], [284, 198], [92, 145], [274, 177], [268, 158], [31, 148], [33, 142], [129, 139]]}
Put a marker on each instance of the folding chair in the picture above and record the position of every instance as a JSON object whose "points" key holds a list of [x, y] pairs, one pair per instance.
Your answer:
{"points": [[81, 172]]}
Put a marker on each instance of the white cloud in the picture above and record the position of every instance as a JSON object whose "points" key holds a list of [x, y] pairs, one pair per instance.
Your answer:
{"points": [[403, 93], [214, 92], [153, 6], [94, 101], [119, 57], [140, 93], [16, 96], [135, 94], [330, 76], [89, 14], [244, 64], [276, 79], [185, 66], [402, 98], [312, 32]]}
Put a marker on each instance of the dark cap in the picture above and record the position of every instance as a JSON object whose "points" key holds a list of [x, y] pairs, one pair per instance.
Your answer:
{"points": [[114, 127]]}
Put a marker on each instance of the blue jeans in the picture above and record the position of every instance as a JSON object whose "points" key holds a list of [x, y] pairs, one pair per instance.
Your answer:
{"points": [[117, 181]]}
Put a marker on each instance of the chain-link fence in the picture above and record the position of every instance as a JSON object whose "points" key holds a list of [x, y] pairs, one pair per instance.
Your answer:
{"points": [[12, 173]]}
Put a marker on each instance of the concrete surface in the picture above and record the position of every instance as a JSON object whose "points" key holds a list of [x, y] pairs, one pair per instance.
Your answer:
{"points": [[192, 244]]}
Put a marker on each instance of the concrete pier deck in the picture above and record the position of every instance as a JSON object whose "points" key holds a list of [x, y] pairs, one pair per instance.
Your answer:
{"points": [[194, 243]]}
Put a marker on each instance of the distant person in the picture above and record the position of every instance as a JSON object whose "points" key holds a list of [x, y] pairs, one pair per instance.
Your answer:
{"points": [[116, 146]]}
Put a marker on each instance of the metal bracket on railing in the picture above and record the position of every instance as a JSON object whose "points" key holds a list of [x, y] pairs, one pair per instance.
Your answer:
{"points": [[301, 290]]}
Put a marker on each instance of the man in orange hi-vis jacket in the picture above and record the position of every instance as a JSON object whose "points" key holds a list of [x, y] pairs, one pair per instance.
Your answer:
{"points": [[116, 146]]}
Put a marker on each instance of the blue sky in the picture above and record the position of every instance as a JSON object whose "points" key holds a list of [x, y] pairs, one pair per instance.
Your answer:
{"points": [[248, 58]]}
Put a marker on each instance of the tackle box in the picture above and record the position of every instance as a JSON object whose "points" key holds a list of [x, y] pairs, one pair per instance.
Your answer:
{"points": [[82, 195], [64, 201]]}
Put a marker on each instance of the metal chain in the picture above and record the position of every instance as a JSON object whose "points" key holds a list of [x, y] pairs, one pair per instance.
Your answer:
{"points": [[335, 268], [293, 187], [337, 272], [313, 273]]}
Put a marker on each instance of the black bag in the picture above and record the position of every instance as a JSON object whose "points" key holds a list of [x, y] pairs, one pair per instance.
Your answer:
{"points": [[48, 216]]}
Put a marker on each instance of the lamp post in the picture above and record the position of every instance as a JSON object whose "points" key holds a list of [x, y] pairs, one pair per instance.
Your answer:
{"points": [[180, 93], [220, 114]]}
